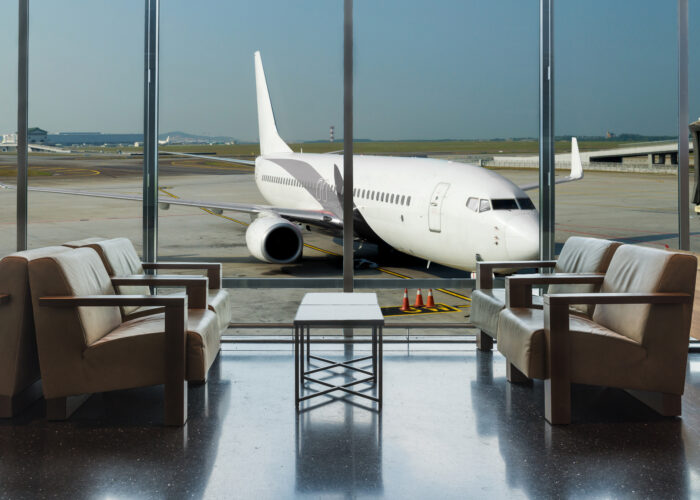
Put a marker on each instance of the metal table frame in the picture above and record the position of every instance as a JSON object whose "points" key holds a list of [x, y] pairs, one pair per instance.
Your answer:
{"points": [[346, 310]]}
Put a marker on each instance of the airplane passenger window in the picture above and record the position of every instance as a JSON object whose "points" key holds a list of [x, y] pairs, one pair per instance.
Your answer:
{"points": [[403, 198], [392, 198], [526, 204], [484, 206], [504, 204], [473, 204], [408, 201]]}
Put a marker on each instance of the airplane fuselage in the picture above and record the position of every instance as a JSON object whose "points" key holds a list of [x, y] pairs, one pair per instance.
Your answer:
{"points": [[442, 211]]}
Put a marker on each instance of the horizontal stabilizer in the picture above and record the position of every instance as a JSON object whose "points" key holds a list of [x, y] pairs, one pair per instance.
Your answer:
{"points": [[576, 169]]}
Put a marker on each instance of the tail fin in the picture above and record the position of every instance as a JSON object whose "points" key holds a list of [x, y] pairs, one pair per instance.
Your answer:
{"points": [[270, 140]]}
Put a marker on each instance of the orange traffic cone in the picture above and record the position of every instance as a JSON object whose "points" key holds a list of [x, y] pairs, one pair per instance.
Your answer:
{"points": [[430, 302], [419, 299], [404, 304]]}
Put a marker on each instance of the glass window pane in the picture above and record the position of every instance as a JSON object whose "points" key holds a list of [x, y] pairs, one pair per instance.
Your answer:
{"points": [[8, 127]]}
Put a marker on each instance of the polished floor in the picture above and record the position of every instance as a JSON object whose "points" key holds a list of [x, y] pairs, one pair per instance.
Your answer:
{"points": [[451, 427]]}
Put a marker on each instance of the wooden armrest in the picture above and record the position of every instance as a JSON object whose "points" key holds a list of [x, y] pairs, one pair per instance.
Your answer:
{"points": [[556, 279], [519, 288], [195, 286], [115, 300], [213, 269], [4, 298], [175, 340], [484, 270], [567, 299]]}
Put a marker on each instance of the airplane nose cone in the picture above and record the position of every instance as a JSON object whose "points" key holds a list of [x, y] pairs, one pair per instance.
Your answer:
{"points": [[523, 238]]}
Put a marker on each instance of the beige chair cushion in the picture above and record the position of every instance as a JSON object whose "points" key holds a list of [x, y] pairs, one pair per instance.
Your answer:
{"points": [[64, 333], [19, 362], [128, 351], [83, 243], [583, 255], [599, 356]]}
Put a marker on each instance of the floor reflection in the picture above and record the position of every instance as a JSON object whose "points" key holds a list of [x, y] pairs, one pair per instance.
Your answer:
{"points": [[616, 446]]}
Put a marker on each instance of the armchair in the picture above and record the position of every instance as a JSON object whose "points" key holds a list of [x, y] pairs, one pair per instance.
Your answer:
{"points": [[637, 338], [579, 255]]}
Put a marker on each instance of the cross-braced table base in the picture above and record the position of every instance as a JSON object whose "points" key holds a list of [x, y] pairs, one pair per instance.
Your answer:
{"points": [[303, 371]]}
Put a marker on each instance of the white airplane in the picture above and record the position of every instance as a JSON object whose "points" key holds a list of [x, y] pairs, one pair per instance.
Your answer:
{"points": [[442, 211]]}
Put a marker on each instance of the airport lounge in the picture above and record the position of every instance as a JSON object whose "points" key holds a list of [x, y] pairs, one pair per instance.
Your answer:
{"points": [[350, 250]]}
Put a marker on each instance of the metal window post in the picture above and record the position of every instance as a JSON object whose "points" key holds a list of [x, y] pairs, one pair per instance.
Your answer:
{"points": [[546, 132], [683, 154], [348, 226], [22, 124], [150, 133]]}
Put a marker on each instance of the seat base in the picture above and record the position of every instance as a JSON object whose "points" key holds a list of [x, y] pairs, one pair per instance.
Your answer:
{"points": [[668, 405], [12, 405], [63, 408], [484, 342]]}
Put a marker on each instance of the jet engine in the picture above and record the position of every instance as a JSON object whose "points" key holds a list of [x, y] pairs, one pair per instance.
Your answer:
{"points": [[271, 238]]}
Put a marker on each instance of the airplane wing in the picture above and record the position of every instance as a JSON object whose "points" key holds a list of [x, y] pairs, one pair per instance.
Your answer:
{"points": [[576, 169], [239, 161], [321, 218]]}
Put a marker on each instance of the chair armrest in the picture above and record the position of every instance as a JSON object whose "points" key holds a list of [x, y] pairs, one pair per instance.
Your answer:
{"points": [[195, 286], [115, 301], [484, 270], [214, 269], [175, 340], [519, 288], [4, 298], [567, 299]]}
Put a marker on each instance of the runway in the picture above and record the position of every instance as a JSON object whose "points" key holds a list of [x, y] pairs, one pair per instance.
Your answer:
{"points": [[632, 208]]}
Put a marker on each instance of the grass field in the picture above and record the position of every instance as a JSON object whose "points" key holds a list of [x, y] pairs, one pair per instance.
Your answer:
{"points": [[384, 148]]}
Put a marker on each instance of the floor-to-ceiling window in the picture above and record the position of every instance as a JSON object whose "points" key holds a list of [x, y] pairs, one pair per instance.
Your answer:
{"points": [[85, 118], [8, 128]]}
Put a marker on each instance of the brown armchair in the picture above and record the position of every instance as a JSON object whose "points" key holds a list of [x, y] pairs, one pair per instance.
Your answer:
{"points": [[85, 346], [636, 339]]}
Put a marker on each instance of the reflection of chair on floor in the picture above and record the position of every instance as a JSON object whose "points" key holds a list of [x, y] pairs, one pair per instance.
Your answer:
{"points": [[341, 455], [578, 255], [120, 259], [19, 364], [85, 347], [636, 340]]}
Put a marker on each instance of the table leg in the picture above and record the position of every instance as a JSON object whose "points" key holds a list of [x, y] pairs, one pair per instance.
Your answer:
{"points": [[374, 353], [308, 347], [296, 366], [381, 374]]}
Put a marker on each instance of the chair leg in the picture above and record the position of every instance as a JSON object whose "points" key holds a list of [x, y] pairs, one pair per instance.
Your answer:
{"points": [[483, 341], [557, 401], [12, 405], [63, 408], [515, 376], [668, 405]]}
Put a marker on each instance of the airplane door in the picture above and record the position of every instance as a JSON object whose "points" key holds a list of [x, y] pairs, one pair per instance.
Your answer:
{"points": [[435, 209]]}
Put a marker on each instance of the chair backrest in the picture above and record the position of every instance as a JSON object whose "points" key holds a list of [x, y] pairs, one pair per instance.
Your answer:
{"points": [[19, 364], [83, 243], [583, 255], [120, 259], [636, 269], [64, 333]]}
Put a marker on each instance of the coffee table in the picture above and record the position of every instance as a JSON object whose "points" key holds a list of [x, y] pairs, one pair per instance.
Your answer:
{"points": [[345, 310]]}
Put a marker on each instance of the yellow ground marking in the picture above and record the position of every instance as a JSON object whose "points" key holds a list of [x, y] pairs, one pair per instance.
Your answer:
{"points": [[196, 164], [84, 172], [443, 290], [412, 311]]}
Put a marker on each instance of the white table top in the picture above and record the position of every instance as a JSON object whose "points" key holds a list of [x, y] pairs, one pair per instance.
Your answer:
{"points": [[339, 298], [339, 309]]}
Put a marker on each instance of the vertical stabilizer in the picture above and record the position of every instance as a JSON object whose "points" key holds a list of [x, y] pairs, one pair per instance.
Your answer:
{"points": [[270, 140]]}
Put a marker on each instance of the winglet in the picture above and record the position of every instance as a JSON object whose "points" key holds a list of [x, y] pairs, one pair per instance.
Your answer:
{"points": [[576, 165], [270, 141]]}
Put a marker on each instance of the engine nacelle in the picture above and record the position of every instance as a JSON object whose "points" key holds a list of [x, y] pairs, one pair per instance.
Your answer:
{"points": [[273, 239]]}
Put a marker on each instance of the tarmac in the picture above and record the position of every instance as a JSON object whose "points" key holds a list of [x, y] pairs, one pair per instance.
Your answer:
{"points": [[629, 207]]}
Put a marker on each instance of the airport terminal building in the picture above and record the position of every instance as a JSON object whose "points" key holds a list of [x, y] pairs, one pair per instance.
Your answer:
{"points": [[426, 310]]}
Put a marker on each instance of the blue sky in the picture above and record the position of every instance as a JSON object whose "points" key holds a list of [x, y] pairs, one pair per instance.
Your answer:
{"points": [[424, 70]]}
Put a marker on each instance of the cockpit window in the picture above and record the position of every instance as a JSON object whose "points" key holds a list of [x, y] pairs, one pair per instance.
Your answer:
{"points": [[526, 204], [473, 204], [484, 206], [504, 204]]}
